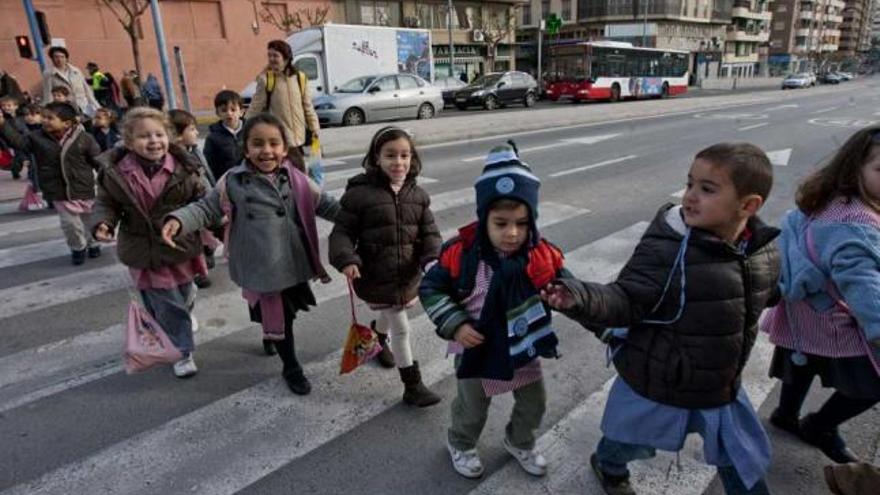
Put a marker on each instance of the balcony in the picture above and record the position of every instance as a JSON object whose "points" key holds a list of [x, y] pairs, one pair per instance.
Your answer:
{"points": [[828, 48], [834, 18], [748, 36], [806, 15], [837, 3], [830, 32], [731, 58], [746, 13]]}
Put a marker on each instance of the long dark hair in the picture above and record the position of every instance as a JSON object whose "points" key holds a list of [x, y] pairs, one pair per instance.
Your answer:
{"points": [[263, 118], [283, 48], [841, 176], [386, 135]]}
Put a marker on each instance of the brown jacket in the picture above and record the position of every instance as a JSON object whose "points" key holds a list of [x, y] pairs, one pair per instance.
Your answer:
{"points": [[139, 243], [292, 107], [390, 237]]}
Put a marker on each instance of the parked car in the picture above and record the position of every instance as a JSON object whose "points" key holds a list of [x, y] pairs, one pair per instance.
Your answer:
{"points": [[846, 76], [449, 85], [831, 78], [379, 97], [497, 89], [794, 81]]}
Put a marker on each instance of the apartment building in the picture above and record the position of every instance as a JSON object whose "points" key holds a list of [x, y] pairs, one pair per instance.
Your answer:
{"points": [[803, 32], [748, 34]]}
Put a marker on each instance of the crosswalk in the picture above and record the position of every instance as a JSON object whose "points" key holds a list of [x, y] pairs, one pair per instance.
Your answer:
{"points": [[252, 432]]}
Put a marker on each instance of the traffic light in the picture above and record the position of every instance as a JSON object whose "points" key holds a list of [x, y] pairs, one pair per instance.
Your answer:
{"points": [[43, 28], [24, 47]]}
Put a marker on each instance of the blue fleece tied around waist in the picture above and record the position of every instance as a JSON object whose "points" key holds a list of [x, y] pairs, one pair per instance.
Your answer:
{"points": [[514, 321]]}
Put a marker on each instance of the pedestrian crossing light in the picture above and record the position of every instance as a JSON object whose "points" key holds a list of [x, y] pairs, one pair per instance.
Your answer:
{"points": [[24, 47], [553, 24]]}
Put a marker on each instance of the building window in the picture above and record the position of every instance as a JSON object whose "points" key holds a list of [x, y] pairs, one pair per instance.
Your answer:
{"points": [[779, 26], [566, 10], [545, 9], [527, 15], [781, 8], [379, 13]]}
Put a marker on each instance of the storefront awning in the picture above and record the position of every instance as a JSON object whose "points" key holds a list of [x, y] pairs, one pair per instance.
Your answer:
{"points": [[459, 60]]}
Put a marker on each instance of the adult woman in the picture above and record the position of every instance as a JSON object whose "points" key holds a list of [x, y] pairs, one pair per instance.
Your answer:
{"points": [[283, 92], [62, 73]]}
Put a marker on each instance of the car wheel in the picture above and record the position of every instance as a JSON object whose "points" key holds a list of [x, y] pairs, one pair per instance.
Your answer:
{"points": [[426, 111], [615, 93], [530, 100], [353, 116], [491, 103]]}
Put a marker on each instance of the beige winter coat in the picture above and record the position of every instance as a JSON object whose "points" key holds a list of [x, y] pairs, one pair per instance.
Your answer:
{"points": [[80, 92], [291, 106]]}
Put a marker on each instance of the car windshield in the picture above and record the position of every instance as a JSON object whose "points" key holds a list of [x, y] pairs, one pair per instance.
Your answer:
{"points": [[487, 80], [356, 85]]}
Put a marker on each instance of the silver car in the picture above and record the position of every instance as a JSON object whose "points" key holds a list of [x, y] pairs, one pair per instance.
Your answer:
{"points": [[380, 97]]}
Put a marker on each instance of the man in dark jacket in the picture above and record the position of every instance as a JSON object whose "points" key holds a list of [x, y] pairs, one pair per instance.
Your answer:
{"points": [[691, 295], [222, 146]]}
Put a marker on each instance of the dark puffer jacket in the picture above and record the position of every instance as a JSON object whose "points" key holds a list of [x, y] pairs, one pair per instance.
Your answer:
{"points": [[390, 237], [140, 233], [66, 172], [695, 362]]}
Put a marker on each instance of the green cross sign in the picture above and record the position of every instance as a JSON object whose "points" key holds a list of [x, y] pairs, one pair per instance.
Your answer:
{"points": [[554, 22]]}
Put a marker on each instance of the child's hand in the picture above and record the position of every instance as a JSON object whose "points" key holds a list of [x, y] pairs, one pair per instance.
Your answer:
{"points": [[557, 296], [351, 271], [104, 233], [467, 336], [170, 230]]}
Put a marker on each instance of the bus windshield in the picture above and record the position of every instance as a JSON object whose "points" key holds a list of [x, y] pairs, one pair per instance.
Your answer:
{"points": [[569, 68]]}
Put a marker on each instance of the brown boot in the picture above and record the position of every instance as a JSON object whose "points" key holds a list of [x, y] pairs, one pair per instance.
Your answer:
{"points": [[385, 358], [415, 393]]}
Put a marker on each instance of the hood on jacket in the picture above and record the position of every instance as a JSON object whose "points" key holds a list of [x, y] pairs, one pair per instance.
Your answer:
{"points": [[800, 278]]}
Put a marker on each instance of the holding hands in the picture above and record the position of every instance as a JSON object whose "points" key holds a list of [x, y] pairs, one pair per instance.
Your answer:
{"points": [[557, 296], [104, 233], [170, 230], [467, 336], [351, 271]]}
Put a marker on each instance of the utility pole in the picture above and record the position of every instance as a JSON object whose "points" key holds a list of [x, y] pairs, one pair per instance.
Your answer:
{"points": [[35, 33], [645, 27], [451, 10], [540, 49], [163, 54]]}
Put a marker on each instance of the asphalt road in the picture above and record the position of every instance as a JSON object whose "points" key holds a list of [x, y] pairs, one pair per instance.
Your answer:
{"points": [[72, 422]]}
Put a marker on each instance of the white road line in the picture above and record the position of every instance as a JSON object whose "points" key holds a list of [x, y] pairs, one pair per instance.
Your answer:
{"points": [[254, 440], [824, 110], [42, 222], [753, 126], [38, 251], [782, 107], [36, 373], [587, 140], [780, 158], [595, 165]]}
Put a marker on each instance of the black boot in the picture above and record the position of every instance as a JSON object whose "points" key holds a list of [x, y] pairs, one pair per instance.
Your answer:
{"points": [[78, 257], [827, 440], [202, 281], [94, 251], [292, 372], [297, 382], [269, 347], [385, 358], [415, 393], [784, 422]]}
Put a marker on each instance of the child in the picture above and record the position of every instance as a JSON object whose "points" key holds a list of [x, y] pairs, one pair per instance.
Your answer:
{"points": [[483, 295], [383, 237], [138, 186], [66, 156], [61, 94], [691, 295], [9, 108], [222, 146], [33, 121], [272, 239], [186, 135], [104, 128], [830, 314]]}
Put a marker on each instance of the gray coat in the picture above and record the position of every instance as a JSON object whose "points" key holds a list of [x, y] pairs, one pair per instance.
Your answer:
{"points": [[267, 247]]}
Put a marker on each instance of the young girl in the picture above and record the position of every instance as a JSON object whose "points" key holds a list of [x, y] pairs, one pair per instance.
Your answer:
{"points": [[104, 128], [828, 324], [186, 135], [383, 237], [66, 156], [137, 187], [272, 239]]}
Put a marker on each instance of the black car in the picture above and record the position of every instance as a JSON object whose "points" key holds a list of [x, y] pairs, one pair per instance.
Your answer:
{"points": [[449, 85], [498, 89]]}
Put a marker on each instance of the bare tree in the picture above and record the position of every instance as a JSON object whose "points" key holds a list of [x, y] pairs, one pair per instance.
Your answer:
{"points": [[127, 12], [278, 16], [497, 27]]}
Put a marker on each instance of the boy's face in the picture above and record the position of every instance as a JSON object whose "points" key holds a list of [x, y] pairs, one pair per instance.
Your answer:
{"points": [[53, 124], [230, 114], [101, 121], [508, 229], [190, 135], [59, 97], [33, 118], [9, 107], [711, 201]]}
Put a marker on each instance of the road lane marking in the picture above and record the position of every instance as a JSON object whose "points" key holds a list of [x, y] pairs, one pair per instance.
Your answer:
{"points": [[780, 158], [587, 140], [824, 110], [595, 165], [753, 126]]}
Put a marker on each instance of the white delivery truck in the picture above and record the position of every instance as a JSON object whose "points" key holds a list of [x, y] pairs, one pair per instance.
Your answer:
{"points": [[334, 54]]}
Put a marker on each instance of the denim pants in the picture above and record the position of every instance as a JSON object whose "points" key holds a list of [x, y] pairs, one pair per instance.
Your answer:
{"points": [[171, 309], [614, 456]]}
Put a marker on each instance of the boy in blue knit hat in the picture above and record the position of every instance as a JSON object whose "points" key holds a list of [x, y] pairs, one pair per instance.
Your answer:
{"points": [[483, 295]]}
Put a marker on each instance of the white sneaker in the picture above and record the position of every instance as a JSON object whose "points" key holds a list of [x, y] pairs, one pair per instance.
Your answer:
{"points": [[466, 462], [186, 367], [194, 322], [530, 460]]}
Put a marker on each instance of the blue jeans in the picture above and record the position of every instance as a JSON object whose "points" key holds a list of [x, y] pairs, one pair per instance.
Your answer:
{"points": [[171, 309], [614, 456]]}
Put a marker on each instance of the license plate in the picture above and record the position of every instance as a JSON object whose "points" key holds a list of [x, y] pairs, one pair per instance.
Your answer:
{"points": [[460, 98]]}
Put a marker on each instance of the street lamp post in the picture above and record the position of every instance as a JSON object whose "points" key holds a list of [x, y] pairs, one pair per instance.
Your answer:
{"points": [[163, 54], [645, 26], [451, 45]]}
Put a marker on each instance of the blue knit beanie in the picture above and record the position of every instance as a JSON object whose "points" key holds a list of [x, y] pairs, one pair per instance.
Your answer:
{"points": [[506, 176]]}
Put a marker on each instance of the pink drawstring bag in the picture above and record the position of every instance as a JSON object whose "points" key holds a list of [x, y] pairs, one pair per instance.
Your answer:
{"points": [[31, 200], [146, 344]]}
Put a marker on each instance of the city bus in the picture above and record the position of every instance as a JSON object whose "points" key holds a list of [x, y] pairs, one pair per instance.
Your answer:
{"points": [[613, 70]]}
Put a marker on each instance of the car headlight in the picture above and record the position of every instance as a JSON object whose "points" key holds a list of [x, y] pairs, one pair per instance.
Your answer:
{"points": [[325, 106], [479, 93]]}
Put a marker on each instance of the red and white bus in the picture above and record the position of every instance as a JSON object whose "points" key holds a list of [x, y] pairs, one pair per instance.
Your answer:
{"points": [[612, 70]]}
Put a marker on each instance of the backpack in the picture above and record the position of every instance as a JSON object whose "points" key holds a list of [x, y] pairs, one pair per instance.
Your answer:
{"points": [[270, 88]]}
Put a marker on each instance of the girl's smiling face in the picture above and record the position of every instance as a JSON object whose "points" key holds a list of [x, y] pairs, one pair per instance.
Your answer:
{"points": [[149, 139], [265, 147], [394, 159]]}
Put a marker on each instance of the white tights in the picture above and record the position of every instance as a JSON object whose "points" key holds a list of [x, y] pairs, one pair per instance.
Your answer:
{"points": [[396, 322]]}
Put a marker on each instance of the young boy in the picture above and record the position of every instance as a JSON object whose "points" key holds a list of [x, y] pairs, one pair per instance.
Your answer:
{"points": [[691, 295], [222, 147], [483, 295], [104, 128], [33, 121], [60, 94], [9, 108], [66, 156]]}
